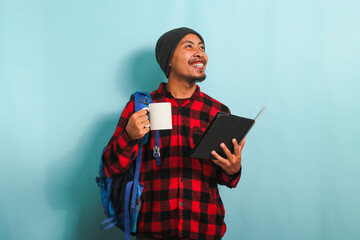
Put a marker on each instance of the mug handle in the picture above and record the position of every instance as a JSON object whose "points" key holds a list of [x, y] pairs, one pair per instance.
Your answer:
{"points": [[148, 110]]}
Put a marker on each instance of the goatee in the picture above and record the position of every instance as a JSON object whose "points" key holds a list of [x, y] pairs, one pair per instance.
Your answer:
{"points": [[198, 79]]}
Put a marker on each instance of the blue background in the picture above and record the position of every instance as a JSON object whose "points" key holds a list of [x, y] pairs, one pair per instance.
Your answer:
{"points": [[67, 69]]}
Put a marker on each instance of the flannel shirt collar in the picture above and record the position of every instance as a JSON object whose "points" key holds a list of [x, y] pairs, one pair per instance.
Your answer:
{"points": [[165, 93]]}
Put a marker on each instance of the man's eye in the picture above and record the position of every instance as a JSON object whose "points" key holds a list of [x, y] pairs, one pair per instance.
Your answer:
{"points": [[202, 47], [189, 46]]}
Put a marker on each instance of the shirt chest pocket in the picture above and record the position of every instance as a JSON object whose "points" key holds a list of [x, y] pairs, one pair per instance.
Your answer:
{"points": [[197, 133]]}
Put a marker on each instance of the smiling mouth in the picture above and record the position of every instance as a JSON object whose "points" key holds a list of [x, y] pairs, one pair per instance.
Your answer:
{"points": [[198, 65]]}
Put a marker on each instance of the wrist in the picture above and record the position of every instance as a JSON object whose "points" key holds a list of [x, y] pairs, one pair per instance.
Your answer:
{"points": [[233, 173], [128, 139]]}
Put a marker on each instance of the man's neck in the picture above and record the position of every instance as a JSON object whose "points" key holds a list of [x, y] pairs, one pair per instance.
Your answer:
{"points": [[181, 88]]}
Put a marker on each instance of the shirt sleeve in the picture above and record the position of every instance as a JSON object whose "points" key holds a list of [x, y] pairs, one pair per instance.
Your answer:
{"points": [[121, 149], [230, 181]]}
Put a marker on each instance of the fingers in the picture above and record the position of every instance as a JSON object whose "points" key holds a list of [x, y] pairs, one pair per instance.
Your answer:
{"points": [[145, 124], [243, 142], [222, 162], [232, 164], [143, 120], [242, 145], [140, 118], [145, 130], [140, 113], [226, 151], [236, 147], [137, 124]]}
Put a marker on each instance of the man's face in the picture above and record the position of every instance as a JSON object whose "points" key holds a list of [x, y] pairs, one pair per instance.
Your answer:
{"points": [[189, 59]]}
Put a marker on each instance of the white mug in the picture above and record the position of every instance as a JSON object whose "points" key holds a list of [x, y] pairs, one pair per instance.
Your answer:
{"points": [[160, 116]]}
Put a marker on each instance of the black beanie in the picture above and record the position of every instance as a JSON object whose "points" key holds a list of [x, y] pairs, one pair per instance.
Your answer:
{"points": [[166, 45]]}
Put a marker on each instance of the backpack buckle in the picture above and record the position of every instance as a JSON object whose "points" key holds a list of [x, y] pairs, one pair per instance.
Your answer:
{"points": [[144, 100], [156, 151]]}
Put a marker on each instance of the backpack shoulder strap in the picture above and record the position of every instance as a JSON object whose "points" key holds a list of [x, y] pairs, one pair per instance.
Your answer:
{"points": [[142, 100]]}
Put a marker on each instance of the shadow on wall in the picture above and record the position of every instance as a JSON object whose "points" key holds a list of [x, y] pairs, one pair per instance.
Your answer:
{"points": [[71, 179], [144, 73]]}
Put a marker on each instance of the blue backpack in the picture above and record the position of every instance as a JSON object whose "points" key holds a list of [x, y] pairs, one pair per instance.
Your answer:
{"points": [[120, 195]]}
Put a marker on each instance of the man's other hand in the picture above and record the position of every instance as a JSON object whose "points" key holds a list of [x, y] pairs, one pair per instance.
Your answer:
{"points": [[232, 164], [137, 125]]}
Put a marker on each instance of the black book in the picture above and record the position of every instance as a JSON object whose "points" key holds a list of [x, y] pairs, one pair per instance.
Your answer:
{"points": [[222, 129]]}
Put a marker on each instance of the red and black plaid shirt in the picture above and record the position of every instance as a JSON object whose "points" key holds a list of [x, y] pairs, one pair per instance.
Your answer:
{"points": [[180, 197]]}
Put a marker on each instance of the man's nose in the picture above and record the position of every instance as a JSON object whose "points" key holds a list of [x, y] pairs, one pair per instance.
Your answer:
{"points": [[199, 53]]}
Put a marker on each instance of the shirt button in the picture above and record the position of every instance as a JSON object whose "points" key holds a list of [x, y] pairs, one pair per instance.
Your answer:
{"points": [[181, 179], [181, 203], [181, 154]]}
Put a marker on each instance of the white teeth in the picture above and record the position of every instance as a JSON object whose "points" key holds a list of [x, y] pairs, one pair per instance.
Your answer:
{"points": [[198, 65]]}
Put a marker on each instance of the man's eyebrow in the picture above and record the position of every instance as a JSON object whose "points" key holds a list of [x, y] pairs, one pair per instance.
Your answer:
{"points": [[188, 41]]}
